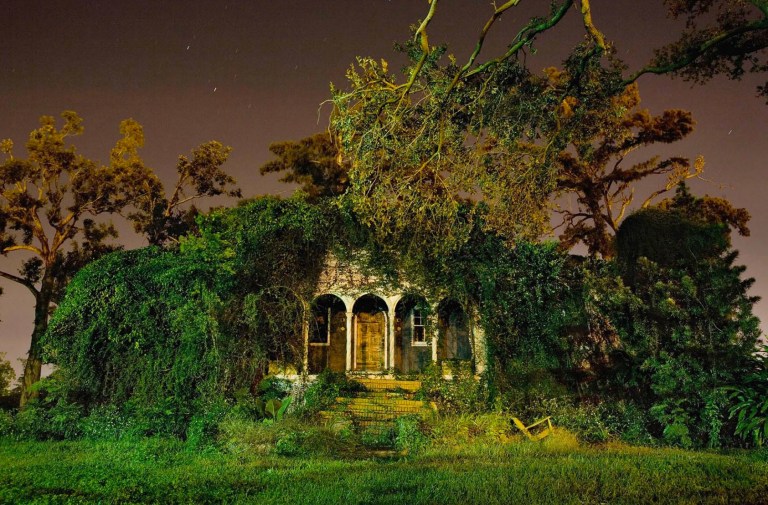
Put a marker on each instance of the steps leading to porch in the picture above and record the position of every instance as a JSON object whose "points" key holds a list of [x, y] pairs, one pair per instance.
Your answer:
{"points": [[389, 385], [383, 401]]}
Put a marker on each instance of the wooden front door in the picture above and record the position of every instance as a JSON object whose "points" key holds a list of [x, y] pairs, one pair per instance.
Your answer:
{"points": [[369, 341]]}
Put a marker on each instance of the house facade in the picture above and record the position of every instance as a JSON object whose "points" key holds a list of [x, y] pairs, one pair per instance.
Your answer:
{"points": [[359, 324]]}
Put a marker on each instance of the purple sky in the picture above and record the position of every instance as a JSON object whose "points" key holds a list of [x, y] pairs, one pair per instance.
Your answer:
{"points": [[253, 72]]}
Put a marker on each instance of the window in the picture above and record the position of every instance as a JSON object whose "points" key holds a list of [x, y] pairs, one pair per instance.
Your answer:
{"points": [[417, 324]]}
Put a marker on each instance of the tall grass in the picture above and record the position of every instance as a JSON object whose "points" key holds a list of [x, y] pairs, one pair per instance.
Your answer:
{"points": [[474, 470]]}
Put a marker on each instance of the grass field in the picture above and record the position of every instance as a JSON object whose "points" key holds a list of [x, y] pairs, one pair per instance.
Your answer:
{"points": [[559, 470]]}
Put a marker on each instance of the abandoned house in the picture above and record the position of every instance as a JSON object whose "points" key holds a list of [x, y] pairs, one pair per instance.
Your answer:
{"points": [[359, 324]]}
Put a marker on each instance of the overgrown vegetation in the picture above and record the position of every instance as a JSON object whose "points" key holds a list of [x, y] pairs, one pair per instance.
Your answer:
{"points": [[651, 339], [176, 342], [473, 462]]}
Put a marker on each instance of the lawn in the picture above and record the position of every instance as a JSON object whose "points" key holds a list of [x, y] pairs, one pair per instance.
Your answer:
{"points": [[559, 470]]}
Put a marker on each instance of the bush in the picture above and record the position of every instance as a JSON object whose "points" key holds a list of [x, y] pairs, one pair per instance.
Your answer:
{"points": [[108, 422], [59, 421], [6, 424], [290, 444], [488, 428], [289, 438], [378, 436], [409, 434], [204, 425], [462, 394], [322, 393], [750, 404]]}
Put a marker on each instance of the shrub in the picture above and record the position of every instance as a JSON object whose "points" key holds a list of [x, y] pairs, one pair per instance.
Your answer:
{"points": [[288, 438], [462, 394], [58, 421], [378, 436], [750, 405], [489, 428], [290, 444], [6, 424], [108, 422], [409, 434], [322, 393], [204, 424]]}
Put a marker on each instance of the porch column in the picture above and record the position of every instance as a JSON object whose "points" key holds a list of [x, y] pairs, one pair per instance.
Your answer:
{"points": [[305, 336], [433, 330], [350, 315], [390, 341], [478, 344]]}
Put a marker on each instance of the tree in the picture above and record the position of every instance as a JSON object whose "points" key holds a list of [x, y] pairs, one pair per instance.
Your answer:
{"points": [[593, 169], [493, 129], [721, 37], [708, 209], [50, 199], [7, 375], [687, 327], [313, 162]]}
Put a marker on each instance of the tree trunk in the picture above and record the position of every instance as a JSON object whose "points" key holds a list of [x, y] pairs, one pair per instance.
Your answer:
{"points": [[34, 363]]}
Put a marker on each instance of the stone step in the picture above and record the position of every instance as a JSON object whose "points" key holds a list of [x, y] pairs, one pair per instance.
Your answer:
{"points": [[392, 385], [383, 394], [366, 418], [364, 410], [383, 403]]}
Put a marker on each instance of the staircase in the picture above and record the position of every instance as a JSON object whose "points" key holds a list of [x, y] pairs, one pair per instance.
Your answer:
{"points": [[382, 401]]}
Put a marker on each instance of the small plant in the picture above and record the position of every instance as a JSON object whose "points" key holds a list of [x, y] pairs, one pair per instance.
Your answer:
{"points": [[409, 437], [275, 409], [290, 444], [377, 437]]}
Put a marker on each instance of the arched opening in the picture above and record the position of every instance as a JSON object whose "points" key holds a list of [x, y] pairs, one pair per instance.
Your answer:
{"points": [[453, 332], [327, 334], [370, 331], [413, 342]]}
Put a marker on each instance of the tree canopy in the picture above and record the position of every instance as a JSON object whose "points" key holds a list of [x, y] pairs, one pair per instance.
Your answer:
{"points": [[52, 200], [494, 129], [313, 162], [594, 169]]}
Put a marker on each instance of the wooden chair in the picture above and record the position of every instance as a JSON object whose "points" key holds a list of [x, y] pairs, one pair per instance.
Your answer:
{"points": [[541, 433]]}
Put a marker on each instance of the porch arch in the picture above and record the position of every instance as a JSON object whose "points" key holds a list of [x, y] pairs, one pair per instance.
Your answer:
{"points": [[453, 331], [327, 334], [370, 323]]}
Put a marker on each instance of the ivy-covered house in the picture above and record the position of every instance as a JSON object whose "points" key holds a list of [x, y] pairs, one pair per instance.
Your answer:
{"points": [[362, 324]]}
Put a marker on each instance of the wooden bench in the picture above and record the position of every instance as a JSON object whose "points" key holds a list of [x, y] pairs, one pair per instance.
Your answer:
{"points": [[541, 433]]}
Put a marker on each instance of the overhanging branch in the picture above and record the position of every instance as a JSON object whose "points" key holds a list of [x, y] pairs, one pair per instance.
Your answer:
{"points": [[22, 281]]}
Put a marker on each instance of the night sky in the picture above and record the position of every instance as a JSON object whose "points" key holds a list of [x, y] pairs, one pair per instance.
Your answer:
{"points": [[253, 72]]}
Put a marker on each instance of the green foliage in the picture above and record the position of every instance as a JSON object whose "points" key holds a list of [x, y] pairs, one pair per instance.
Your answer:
{"points": [[527, 303], [109, 422], [557, 470], [409, 435], [168, 333], [70, 193], [750, 404], [7, 375], [461, 394], [275, 409], [324, 390], [244, 437], [668, 238], [685, 324], [290, 444]]}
